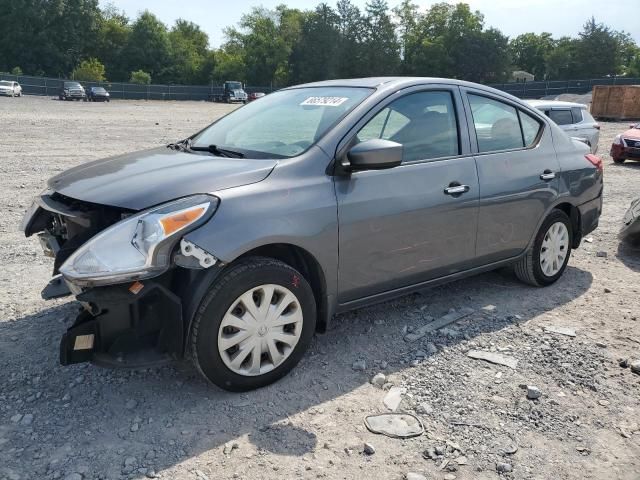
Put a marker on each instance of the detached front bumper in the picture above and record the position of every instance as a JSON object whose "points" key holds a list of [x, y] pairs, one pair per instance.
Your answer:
{"points": [[133, 325], [622, 151]]}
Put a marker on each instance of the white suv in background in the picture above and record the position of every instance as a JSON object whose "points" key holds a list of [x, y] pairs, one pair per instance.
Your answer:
{"points": [[573, 118], [10, 88]]}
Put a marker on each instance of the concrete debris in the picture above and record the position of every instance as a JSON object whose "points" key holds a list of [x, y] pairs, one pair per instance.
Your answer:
{"points": [[452, 316], [393, 398], [379, 379], [369, 449], [635, 366], [569, 332], [503, 467], [230, 447], [395, 425], [491, 357], [359, 365], [533, 393], [414, 476]]}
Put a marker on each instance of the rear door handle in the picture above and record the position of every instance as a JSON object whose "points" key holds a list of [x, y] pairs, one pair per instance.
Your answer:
{"points": [[456, 189], [547, 175]]}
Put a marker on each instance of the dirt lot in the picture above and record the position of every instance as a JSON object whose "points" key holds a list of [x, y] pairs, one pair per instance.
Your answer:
{"points": [[84, 422]]}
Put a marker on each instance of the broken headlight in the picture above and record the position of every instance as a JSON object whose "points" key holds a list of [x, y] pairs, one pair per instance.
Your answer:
{"points": [[139, 246]]}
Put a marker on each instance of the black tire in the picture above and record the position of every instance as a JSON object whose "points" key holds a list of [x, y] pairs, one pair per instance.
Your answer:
{"points": [[230, 285], [528, 269], [619, 160]]}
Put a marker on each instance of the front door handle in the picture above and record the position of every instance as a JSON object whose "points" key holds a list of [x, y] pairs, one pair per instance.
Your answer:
{"points": [[547, 175], [456, 189]]}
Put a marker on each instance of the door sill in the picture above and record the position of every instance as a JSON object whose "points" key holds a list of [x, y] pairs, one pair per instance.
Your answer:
{"points": [[398, 292]]}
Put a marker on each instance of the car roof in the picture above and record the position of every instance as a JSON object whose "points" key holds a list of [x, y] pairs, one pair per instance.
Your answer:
{"points": [[399, 82], [554, 103]]}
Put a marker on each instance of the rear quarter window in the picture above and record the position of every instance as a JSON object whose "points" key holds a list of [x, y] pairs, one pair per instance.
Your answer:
{"points": [[576, 112], [561, 117]]}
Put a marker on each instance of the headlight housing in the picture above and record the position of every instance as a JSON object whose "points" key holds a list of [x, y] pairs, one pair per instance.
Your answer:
{"points": [[618, 140], [139, 246]]}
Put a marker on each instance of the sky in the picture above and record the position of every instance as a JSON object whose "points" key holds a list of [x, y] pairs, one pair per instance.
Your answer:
{"points": [[512, 17]]}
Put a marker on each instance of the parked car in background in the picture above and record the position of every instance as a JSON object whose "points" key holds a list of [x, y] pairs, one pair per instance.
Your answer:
{"points": [[233, 246], [626, 145], [72, 91], [256, 95], [10, 88], [573, 118], [97, 94]]}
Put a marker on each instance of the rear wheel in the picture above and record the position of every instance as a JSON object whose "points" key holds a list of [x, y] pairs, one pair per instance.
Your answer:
{"points": [[547, 259], [254, 324]]}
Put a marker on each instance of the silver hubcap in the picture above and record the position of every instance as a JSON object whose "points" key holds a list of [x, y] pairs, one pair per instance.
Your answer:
{"points": [[554, 249], [260, 330]]}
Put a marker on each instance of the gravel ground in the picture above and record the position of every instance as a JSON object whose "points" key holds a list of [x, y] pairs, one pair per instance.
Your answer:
{"points": [[84, 422]]}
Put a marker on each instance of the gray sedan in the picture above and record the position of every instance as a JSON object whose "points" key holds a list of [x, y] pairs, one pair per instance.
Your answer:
{"points": [[235, 245]]}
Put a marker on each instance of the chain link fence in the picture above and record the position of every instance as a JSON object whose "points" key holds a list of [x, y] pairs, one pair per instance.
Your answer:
{"points": [[52, 87], [557, 87], [131, 91]]}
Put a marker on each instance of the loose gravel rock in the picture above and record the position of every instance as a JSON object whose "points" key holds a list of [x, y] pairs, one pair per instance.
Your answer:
{"points": [[310, 424]]}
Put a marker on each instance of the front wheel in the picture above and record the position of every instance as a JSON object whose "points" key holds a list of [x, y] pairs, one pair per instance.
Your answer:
{"points": [[547, 259], [254, 324], [619, 160]]}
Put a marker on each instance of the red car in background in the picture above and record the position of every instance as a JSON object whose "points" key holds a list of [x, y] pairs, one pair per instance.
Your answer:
{"points": [[626, 146], [256, 95]]}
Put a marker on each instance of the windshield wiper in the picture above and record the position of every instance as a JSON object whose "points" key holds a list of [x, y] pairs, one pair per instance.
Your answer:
{"points": [[220, 152]]}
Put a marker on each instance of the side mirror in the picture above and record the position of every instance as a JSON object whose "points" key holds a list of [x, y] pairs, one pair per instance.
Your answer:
{"points": [[375, 154]]}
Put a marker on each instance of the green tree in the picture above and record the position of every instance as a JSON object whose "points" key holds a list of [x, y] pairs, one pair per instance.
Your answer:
{"points": [[315, 55], [561, 62], [407, 19], [189, 46], [381, 46], [140, 77], [90, 70], [112, 38], [148, 47], [351, 26], [529, 52], [16, 71], [598, 51]]}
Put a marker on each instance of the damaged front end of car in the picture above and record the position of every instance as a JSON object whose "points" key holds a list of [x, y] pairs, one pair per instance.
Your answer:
{"points": [[134, 273]]}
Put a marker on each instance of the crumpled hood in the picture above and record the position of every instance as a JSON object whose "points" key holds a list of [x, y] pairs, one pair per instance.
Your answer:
{"points": [[143, 179]]}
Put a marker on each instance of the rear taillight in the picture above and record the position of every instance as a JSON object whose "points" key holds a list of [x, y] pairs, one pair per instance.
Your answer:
{"points": [[595, 160]]}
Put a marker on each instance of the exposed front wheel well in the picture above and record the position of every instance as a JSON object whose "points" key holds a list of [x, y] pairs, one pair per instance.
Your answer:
{"points": [[307, 265], [576, 225]]}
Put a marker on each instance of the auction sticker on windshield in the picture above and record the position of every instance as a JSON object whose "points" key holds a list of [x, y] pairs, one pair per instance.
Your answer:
{"points": [[325, 101]]}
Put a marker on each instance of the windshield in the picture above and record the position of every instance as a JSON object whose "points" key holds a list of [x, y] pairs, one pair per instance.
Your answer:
{"points": [[284, 123], [71, 84], [98, 89], [4, 83], [234, 85]]}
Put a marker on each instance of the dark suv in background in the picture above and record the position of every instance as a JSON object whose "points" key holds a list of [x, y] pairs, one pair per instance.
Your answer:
{"points": [[72, 91]]}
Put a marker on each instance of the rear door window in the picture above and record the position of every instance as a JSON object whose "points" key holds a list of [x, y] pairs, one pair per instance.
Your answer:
{"points": [[561, 116]]}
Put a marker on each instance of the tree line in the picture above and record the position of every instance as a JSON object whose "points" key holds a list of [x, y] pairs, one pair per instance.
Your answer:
{"points": [[284, 46]]}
